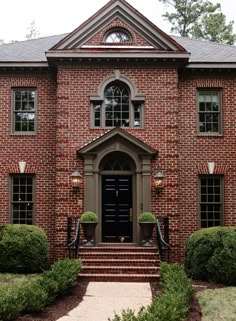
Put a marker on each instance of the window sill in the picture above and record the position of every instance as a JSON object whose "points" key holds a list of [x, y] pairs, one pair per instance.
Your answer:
{"points": [[207, 135], [23, 134]]}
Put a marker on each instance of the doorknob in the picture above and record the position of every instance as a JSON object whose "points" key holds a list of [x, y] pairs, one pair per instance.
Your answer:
{"points": [[131, 214]]}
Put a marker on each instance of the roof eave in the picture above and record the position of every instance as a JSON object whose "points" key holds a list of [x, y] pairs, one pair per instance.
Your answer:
{"points": [[210, 65]]}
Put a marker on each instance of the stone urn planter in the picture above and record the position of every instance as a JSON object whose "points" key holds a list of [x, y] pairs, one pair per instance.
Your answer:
{"points": [[89, 221], [147, 221]]}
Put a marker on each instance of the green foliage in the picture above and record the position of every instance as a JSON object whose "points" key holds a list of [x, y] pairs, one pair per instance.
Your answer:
{"points": [[23, 249], [36, 293], [199, 19], [171, 305], [89, 217], [214, 28], [146, 217], [33, 296], [186, 13], [10, 302], [62, 276], [210, 254]]}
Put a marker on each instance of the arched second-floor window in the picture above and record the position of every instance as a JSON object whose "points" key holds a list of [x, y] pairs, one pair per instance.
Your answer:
{"points": [[117, 109]]}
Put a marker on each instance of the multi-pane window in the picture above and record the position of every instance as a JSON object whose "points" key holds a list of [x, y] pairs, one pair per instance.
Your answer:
{"points": [[24, 104], [117, 110], [118, 36], [22, 199], [209, 111], [211, 205]]}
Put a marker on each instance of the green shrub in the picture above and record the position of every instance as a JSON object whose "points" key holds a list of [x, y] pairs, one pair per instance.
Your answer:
{"points": [[62, 276], [10, 302], [37, 293], [146, 217], [33, 296], [89, 217], [23, 249], [210, 255], [172, 304]]}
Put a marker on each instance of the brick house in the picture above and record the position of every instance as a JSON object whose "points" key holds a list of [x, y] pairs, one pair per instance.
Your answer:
{"points": [[118, 100]]}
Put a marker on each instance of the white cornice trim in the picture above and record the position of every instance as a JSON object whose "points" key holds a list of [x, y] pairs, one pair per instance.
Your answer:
{"points": [[23, 64], [116, 47], [211, 65], [117, 55]]}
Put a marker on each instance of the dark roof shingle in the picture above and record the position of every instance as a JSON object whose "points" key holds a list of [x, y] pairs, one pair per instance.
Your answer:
{"points": [[34, 50]]}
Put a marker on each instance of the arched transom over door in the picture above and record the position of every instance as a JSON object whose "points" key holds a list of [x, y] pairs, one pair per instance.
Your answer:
{"points": [[117, 184], [117, 170]]}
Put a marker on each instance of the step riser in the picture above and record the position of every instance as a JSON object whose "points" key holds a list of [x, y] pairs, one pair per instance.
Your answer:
{"points": [[120, 270], [116, 263]]}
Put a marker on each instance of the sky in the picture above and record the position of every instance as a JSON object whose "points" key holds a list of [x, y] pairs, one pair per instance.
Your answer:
{"points": [[53, 17]]}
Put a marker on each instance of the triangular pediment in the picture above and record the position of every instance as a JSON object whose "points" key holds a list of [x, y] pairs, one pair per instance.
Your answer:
{"points": [[117, 13], [116, 135]]}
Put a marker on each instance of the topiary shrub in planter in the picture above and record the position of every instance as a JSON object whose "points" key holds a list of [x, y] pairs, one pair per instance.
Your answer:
{"points": [[23, 249], [147, 222], [89, 222], [210, 254]]}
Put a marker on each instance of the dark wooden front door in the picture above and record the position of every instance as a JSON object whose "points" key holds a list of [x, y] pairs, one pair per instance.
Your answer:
{"points": [[117, 208]]}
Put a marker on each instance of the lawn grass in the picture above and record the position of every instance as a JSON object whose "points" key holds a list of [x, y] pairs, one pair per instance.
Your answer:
{"points": [[218, 304], [10, 278]]}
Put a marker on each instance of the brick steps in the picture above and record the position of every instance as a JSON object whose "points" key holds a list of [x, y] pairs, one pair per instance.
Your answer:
{"points": [[119, 263], [122, 262], [124, 277]]}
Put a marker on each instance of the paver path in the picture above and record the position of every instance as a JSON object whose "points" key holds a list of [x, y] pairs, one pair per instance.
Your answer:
{"points": [[103, 299]]}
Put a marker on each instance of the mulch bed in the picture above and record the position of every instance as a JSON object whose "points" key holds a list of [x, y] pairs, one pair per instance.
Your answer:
{"points": [[67, 302]]}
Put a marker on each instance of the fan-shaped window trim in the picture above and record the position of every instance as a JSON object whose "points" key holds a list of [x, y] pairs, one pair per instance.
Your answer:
{"points": [[117, 36], [117, 162]]}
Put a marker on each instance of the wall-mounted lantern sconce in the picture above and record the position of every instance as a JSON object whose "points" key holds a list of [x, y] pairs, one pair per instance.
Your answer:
{"points": [[76, 180], [159, 181]]}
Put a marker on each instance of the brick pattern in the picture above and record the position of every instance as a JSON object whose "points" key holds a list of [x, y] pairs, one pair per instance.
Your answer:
{"points": [[38, 151], [170, 126]]}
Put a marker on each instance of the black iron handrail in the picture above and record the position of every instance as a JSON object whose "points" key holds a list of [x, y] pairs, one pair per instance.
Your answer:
{"points": [[73, 246], [163, 246]]}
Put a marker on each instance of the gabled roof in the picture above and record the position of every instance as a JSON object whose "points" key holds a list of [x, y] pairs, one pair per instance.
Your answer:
{"points": [[125, 12], [115, 134]]}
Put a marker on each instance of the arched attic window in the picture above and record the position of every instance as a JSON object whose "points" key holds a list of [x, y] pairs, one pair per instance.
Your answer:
{"points": [[117, 109], [118, 36]]}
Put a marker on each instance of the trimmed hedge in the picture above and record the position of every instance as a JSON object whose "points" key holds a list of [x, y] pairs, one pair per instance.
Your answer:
{"points": [[210, 255], [172, 304], [37, 293], [23, 249]]}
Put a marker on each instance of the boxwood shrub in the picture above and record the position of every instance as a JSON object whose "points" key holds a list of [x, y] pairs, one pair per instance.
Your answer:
{"points": [[172, 304], [23, 249], [210, 255], [35, 294]]}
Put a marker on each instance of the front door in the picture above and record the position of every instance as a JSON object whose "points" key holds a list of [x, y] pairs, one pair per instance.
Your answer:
{"points": [[117, 208]]}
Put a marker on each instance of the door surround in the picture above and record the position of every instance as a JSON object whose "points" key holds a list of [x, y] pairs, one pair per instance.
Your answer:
{"points": [[141, 154]]}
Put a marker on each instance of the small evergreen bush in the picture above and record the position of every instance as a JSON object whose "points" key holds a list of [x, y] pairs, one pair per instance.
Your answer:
{"points": [[210, 255], [171, 305], [89, 217], [23, 249], [62, 276], [146, 217], [37, 293]]}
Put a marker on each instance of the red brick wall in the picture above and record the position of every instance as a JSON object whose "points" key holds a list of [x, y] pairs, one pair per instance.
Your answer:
{"points": [[38, 151], [169, 126], [196, 151], [160, 87]]}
